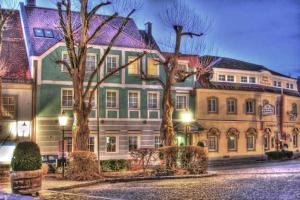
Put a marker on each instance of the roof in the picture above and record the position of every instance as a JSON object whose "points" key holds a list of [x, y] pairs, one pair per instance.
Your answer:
{"points": [[191, 58], [14, 66], [47, 18], [247, 87], [229, 63]]}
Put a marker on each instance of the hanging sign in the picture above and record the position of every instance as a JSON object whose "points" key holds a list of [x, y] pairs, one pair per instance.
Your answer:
{"points": [[267, 109]]}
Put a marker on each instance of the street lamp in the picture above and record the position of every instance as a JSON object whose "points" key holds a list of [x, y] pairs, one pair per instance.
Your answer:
{"points": [[63, 119], [186, 118]]}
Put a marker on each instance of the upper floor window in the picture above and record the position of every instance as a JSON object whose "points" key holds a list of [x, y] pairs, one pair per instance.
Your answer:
{"points": [[112, 63], [231, 105], [111, 99], [152, 67], [39, 32], [252, 80], [133, 99], [90, 63], [133, 68], [181, 101], [153, 100], [69, 144], [93, 99], [250, 106], [212, 106], [91, 144], [182, 67], [277, 83], [67, 98], [294, 108], [222, 77], [230, 78], [289, 86], [244, 79], [9, 107]]}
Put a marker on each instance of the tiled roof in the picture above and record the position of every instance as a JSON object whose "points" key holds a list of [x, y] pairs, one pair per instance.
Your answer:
{"points": [[47, 18], [229, 63], [14, 65], [247, 87]]}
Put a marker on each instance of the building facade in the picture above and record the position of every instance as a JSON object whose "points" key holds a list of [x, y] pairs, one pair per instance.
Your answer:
{"points": [[247, 110]]}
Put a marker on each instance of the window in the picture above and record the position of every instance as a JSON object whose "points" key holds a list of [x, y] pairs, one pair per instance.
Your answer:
{"points": [[181, 102], [48, 33], [111, 144], [152, 67], [244, 79], [266, 141], [294, 108], [69, 143], [289, 86], [156, 141], [9, 107], [277, 83], [252, 80], [250, 142], [38, 32], [232, 142], [111, 99], [182, 67], [133, 68], [132, 143], [92, 144], [231, 105], [212, 105], [292, 86], [153, 100], [111, 63], [90, 63], [295, 140], [67, 98], [133, 100], [65, 57], [222, 77], [250, 106], [212, 143], [230, 78], [87, 97]]}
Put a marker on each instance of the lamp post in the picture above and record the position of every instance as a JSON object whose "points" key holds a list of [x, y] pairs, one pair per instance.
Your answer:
{"points": [[63, 119], [186, 118]]}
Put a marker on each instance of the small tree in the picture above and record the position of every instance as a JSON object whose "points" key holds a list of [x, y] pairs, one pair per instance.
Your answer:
{"points": [[184, 23], [144, 156]]}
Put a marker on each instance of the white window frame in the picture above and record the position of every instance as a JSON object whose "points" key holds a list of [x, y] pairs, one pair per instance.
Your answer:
{"points": [[149, 110], [61, 99], [139, 103], [254, 142], [117, 63], [117, 144], [94, 144], [223, 75], [62, 68], [276, 83], [117, 103], [246, 79], [230, 76], [138, 140], [157, 67], [255, 79], [15, 106], [154, 142], [216, 143], [187, 101], [138, 62], [95, 55]]}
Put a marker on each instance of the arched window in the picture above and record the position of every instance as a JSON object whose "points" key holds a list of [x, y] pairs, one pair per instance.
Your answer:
{"points": [[251, 135], [295, 137], [266, 138], [212, 139], [232, 139]]}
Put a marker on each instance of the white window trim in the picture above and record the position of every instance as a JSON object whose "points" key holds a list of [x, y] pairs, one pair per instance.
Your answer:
{"points": [[226, 78], [254, 142], [139, 66], [234, 79], [138, 140], [65, 52], [96, 105], [156, 135], [187, 101], [117, 103], [216, 143], [157, 66], [95, 144], [158, 99], [117, 144], [92, 54], [118, 63], [139, 104], [222, 80], [61, 99], [281, 83]]}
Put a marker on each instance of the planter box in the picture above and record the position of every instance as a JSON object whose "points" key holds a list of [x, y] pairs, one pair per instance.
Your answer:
{"points": [[26, 182]]}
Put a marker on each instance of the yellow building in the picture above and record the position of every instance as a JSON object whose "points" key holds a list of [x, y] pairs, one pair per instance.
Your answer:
{"points": [[247, 110]]}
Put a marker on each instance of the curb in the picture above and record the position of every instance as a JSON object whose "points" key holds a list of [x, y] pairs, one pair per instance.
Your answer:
{"points": [[119, 180]]}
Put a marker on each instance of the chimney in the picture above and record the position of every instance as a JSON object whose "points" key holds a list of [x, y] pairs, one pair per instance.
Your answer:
{"points": [[148, 28], [31, 3]]}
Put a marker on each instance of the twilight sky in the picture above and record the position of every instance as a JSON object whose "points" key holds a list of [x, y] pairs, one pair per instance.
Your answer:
{"points": [[265, 32]]}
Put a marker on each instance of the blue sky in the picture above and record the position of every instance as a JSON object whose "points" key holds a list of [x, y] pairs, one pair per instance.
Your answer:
{"points": [[265, 32]]}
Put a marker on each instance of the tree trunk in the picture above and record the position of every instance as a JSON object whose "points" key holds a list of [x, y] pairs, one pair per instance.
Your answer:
{"points": [[166, 129]]}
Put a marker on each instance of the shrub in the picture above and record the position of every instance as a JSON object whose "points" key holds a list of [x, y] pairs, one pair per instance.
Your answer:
{"points": [[169, 156], [193, 159], [114, 165], [83, 166], [278, 155], [144, 156], [26, 157]]}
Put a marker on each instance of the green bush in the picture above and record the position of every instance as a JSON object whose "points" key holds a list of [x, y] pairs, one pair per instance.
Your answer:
{"points": [[278, 155], [26, 157], [114, 165]]}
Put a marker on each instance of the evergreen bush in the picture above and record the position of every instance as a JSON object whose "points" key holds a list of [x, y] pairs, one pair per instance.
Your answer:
{"points": [[279, 155], [26, 157], [114, 165]]}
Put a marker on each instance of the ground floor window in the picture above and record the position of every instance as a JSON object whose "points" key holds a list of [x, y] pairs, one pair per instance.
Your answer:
{"points": [[232, 142], [266, 141], [295, 140], [132, 143], [111, 144], [69, 143], [92, 144], [157, 142], [250, 142], [212, 143]]}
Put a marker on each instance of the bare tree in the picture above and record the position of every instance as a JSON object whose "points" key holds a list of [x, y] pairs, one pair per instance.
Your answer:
{"points": [[185, 24], [77, 36]]}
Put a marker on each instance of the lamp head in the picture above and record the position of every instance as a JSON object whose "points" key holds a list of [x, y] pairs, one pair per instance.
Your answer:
{"points": [[186, 116], [63, 119]]}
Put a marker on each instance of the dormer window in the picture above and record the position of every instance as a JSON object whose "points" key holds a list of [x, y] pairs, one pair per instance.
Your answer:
{"points": [[290, 86], [230, 78], [277, 83], [39, 32], [222, 77], [252, 80], [244, 79]]}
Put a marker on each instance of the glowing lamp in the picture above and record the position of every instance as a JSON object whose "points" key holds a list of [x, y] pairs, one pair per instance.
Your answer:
{"points": [[63, 119], [186, 117]]}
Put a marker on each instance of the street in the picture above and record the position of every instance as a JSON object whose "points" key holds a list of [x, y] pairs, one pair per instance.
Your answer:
{"points": [[280, 180]]}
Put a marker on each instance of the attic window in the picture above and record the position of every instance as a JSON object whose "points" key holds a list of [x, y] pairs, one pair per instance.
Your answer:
{"points": [[38, 32]]}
